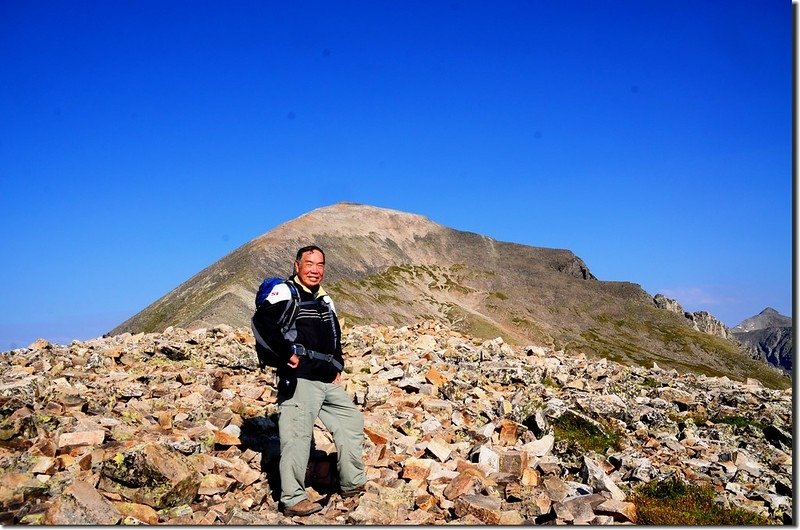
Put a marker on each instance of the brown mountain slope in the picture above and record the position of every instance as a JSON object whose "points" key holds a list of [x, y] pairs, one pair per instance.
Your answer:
{"points": [[385, 266]]}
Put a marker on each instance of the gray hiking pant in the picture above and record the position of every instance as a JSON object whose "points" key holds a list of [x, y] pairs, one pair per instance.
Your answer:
{"points": [[336, 410]]}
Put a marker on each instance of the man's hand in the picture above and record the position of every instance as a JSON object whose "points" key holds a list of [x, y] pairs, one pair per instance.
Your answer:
{"points": [[294, 361]]}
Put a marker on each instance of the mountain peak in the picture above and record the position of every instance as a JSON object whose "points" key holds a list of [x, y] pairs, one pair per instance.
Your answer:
{"points": [[768, 318], [349, 218]]}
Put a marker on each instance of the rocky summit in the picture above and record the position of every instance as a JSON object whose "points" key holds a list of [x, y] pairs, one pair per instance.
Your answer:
{"points": [[179, 428]]}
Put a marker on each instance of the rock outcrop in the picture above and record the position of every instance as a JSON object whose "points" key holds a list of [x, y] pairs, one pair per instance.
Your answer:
{"points": [[705, 322], [701, 321], [179, 428], [673, 306]]}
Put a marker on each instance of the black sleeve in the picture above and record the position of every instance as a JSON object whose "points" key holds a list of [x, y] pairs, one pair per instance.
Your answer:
{"points": [[265, 321]]}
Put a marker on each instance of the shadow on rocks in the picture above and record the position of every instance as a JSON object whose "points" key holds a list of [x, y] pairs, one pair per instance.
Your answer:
{"points": [[260, 434]]}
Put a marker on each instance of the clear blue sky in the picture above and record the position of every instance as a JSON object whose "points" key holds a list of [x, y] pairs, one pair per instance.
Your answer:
{"points": [[141, 141]]}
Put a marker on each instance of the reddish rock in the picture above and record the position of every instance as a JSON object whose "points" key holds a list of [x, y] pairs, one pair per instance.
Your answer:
{"points": [[510, 518], [44, 446], [243, 473], [486, 509], [416, 468], [82, 504], [435, 377], [438, 406], [213, 484], [12, 486], [224, 438], [425, 501], [81, 438], [508, 432], [40, 344], [373, 510], [44, 465], [463, 484], [514, 492], [440, 449], [459, 441], [164, 419], [140, 512], [85, 461], [555, 488], [620, 510], [65, 461], [530, 477], [377, 435]]}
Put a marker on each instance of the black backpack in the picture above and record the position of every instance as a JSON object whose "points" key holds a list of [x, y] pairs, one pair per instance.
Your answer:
{"points": [[266, 356]]}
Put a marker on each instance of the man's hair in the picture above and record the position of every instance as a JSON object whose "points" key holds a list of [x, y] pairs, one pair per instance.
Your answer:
{"points": [[309, 248]]}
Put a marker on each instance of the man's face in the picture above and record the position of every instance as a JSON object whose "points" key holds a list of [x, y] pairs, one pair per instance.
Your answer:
{"points": [[310, 269]]}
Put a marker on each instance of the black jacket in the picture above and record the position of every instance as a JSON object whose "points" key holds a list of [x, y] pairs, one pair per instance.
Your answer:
{"points": [[317, 329]]}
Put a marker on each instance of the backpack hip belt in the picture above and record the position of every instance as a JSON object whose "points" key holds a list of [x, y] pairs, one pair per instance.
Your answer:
{"points": [[300, 350]]}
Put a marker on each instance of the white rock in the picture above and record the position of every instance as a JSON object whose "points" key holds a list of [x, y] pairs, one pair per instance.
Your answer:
{"points": [[540, 447], [489, 458], [597, 479]]}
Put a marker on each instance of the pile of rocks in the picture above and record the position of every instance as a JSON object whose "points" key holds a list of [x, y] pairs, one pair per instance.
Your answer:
{"points": [[180, 428]]}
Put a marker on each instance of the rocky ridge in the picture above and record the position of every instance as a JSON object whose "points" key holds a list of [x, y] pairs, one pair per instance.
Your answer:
{"points": [[766, 337], [701, 321], [179, 428]]}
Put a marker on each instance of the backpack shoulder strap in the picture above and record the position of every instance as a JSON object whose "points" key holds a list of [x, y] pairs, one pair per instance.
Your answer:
{"points": [[292, 289], [326, 302], [287, 319]]}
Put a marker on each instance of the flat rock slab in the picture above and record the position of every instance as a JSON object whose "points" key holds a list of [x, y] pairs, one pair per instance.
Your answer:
{"points": [[72, 439]]}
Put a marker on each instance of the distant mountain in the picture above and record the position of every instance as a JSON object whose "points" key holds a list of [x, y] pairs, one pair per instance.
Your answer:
{"points": [[768, 337], [768, 318], [396, 268]]}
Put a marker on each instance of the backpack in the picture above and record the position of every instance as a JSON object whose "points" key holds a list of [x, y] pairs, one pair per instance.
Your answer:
{"points": [[266, 287], [266, 356]]}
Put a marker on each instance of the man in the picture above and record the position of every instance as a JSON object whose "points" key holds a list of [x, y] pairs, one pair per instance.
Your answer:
{"points": [[309, 383]]}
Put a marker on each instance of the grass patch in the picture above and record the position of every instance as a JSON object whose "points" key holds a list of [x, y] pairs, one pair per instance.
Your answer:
{"points": [[587, 435], [550, 382], [674, 502], [472, 324], [154, 323], [349, 319], [738, 421], [450, 285], [612, 348], [649, 382]]}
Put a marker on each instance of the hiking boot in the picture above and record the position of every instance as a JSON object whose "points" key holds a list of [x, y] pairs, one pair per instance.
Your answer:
{"points": [[304, 507], [353, 492]]}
